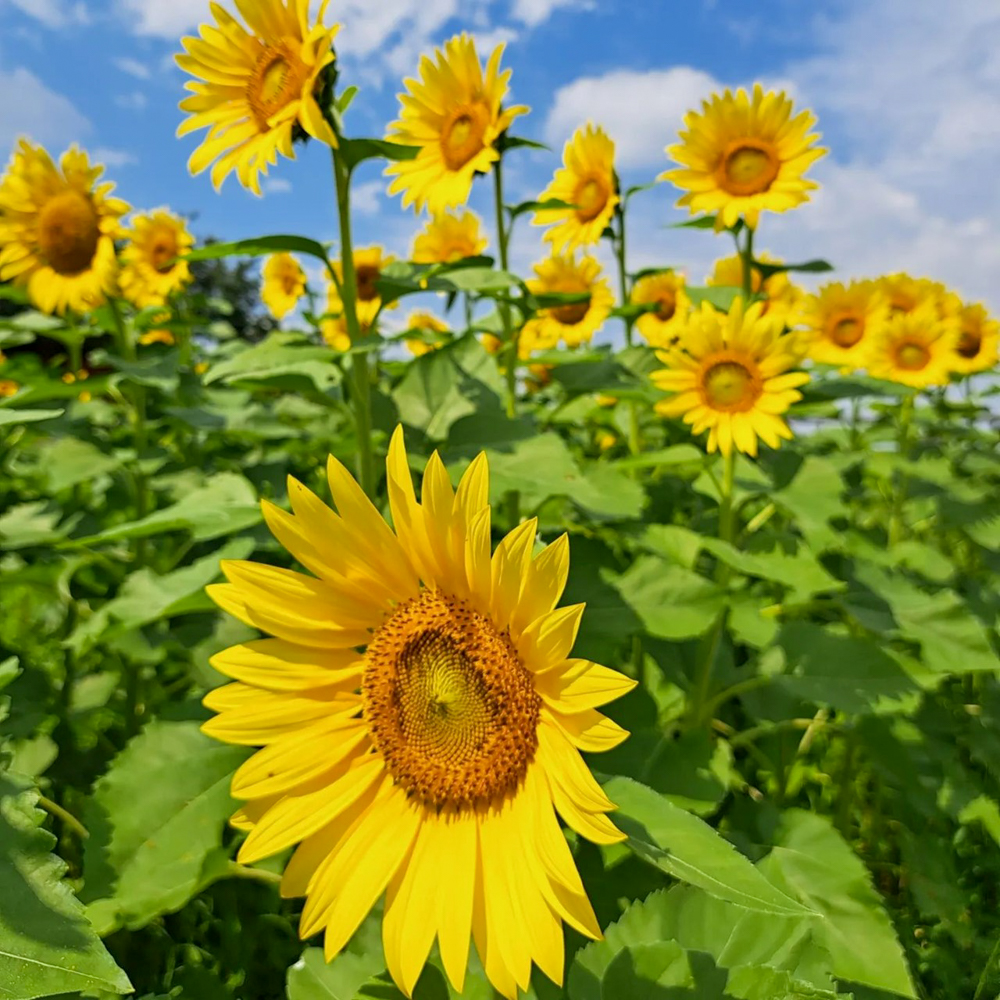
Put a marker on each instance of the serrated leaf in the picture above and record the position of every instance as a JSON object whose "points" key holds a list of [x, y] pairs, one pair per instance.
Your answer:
{"points": [[673, 602]]}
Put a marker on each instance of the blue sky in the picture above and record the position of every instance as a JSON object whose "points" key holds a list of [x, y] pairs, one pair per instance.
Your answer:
{"points": [[907, 91]]}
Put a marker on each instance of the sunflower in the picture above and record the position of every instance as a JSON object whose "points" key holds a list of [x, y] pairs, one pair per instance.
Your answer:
{"points": [[587, 181], [904, 293], [334, 332], [8, 388], [157, 337], [732, 378], [781, 298], [840, 323], [976, 348], [917, 348], [492, 344], [453, 114], [57, 229], [284, 284], [743, 154], [447, 238], [419, 713], [255, 90], [662, 326], [426, 323], [368, 265], [576, 322], [150, 269]]}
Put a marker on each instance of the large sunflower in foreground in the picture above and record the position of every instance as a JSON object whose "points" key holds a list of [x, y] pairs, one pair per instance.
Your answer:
{"points": [[574, 323], [587, 182], [150, 271], [256, 87], [662, 327], [743, 154], [422, 723], [368, 265], [447, 238], [841, 321], [976, 347], [57, 229], [453, 114], [283, 285], [732, 379], [916, 348], [781, 297]]}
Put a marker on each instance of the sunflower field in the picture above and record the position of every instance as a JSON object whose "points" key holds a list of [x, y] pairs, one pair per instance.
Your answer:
{"points": [[460, 633]]}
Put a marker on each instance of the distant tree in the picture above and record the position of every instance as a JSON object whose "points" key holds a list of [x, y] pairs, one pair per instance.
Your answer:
{"points": [[236, 283]]}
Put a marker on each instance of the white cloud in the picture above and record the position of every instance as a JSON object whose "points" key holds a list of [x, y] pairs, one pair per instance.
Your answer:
{"points": [[276, 185], [38, 113], [641, 111], [135, 101], [133, 67], [367, 198], [162, 18], [54, 13], [533, 12], [114, 158]]}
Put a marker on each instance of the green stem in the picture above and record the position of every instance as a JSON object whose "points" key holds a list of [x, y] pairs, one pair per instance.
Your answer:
{"points": [[510, 337], [256, 874], [360, 377], [902, 483], [726, 501], [618, 242], [67, 817], [845, 788], [746, 255]]}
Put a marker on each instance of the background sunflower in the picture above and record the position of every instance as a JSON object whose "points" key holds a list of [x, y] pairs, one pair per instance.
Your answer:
{"points": [[576, 322]]}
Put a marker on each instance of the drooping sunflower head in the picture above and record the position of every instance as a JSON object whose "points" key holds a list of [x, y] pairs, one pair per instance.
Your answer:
{"points": [[428, 326], [662, 327], [151, 271], [368, 265], [782, 299], [283, 285], [743, 154], [841, 321], [904, 293], [587, 181], [58, 225], [419, 712], [917, 348], [976, 347], [453, 113], [449, 237], [732, 378], [574, 323], [255, 87]]}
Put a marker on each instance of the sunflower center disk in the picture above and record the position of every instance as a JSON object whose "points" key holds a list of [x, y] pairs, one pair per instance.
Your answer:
{"points": [[590, 198], [462, 135], [68, 232], [969, 344], [274, 82], [451, 707], [749, 168], [730, 386], [666, 306], [912, 357], [163, 252], [847, 331], [367, 275]]}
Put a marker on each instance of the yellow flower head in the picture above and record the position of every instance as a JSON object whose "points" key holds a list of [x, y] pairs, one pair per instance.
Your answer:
{"points": [[57, 229], [284, 284], [368, 265], [255, 87], [8, 388], [574, 323], [976, 348], [586, 180], [448, 237], [539, 376], [427, 323], [157, 337], [334, 332], [840, 323], [732, 378], [491, 343], [150, 272], [663, 326], [917, 348], [783, 299], [453, 113], [419, 713], [904, 294], [606, 440], [743, 154]]}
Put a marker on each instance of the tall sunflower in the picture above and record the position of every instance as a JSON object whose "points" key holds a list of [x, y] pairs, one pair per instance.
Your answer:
{"points": [[368, 265], [917, 348], [454, 114], [426, 323], [732, 378], [781, 298], [662, 327], [587, 181], [419, 713], [283, 285], [150, 271], [743, 154], [841, 321], [448, 237], [976, 347], [57, 229], [256, 86], [574, 323]]}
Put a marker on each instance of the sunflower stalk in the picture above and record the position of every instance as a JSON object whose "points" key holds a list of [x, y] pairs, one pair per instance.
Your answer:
{"points": [[360, 375], [902, 480], [618, 241], [746, 257], [510, 336]]}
